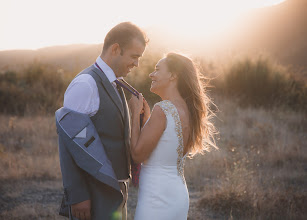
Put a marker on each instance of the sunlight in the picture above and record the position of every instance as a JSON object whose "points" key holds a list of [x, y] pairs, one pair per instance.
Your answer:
{"points": [[212, 16], [33, 24]]}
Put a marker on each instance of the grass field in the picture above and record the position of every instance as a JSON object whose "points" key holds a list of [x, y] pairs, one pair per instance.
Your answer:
{"points": [[259, 171]]}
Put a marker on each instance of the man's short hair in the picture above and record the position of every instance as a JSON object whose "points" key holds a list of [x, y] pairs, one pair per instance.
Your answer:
{"points": [[123, 34]]}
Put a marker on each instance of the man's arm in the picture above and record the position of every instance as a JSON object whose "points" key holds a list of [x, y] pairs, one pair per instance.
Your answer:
{"points": [[81, 96]]}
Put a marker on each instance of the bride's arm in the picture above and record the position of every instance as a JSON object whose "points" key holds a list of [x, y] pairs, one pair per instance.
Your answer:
{"points": [[144, 142]]}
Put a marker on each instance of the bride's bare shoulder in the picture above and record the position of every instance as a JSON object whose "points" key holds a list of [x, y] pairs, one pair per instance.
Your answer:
{"points": [[157, 117], [158, 111]]}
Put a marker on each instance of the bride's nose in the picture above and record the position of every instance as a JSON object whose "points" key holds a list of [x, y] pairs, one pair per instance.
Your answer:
{"points": [[153, 74]]}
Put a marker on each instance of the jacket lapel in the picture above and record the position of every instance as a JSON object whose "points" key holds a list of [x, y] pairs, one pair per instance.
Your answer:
{"points": [[110, 90]]}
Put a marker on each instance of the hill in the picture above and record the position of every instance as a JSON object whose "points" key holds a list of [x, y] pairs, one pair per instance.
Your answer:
{"points": [[69, 57]]}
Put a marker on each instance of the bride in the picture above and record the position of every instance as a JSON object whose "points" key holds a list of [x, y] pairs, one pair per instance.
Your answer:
{"points": [[177, 127]]}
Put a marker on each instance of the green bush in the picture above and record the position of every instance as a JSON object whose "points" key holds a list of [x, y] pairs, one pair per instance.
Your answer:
{"points": [[260, 83], [38, 89]]}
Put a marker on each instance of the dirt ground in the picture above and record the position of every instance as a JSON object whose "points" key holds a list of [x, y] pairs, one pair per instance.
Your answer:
{"points": [[40, 199]]}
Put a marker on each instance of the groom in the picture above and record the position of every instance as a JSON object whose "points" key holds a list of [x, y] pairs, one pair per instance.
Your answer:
{"points": [[94, 92]]}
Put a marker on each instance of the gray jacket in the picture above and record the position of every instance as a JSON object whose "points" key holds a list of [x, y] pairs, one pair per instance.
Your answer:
{"points": [[86, 170]]}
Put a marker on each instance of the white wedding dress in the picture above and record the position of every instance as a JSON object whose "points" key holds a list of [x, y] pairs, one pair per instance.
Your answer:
{"points": [[163, 192]]}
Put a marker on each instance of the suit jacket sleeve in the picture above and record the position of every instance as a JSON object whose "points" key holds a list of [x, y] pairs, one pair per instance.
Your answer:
{"points": [[81, 154], [74, 178]]}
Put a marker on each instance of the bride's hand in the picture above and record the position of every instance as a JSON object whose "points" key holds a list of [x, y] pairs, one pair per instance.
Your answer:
{"points": [[136, 104]]}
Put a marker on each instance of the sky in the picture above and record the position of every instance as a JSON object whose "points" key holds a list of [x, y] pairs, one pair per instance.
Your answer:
{"points": [[32, 24]]}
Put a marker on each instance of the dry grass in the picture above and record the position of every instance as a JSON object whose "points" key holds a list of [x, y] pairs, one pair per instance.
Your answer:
{"points": [[259, 172], [28, 148]]}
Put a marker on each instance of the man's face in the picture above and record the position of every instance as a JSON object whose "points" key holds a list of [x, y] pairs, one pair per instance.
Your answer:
{"points": [[128, 58]]}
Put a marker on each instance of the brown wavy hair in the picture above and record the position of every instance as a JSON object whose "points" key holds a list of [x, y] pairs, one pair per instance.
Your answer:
{"points": [[191, 86]]}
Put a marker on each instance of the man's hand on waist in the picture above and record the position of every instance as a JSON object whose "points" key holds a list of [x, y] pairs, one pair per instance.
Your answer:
{"points": [[82, 210]]}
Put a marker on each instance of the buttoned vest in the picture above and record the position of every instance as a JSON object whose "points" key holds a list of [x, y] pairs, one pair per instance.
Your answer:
{"points": [[112, 123]]}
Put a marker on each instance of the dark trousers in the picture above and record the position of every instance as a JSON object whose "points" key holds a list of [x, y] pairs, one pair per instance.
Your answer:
{"points": [[101, 208]]}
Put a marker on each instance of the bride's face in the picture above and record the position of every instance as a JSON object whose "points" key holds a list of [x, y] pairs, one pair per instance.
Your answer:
{"points": [[160, 77]]}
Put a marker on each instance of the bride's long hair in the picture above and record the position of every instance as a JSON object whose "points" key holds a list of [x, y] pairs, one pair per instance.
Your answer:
{"points": [[191, 86]]}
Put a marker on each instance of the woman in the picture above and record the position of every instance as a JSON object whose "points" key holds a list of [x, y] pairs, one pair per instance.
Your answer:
{"points": [[176, 128]]}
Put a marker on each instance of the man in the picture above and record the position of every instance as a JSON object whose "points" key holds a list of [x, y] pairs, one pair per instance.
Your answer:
{"points": [[94, 92]]}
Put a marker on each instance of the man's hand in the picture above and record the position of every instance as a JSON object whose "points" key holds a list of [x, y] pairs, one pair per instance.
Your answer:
{"points": [[136, 104], [82, 210]]}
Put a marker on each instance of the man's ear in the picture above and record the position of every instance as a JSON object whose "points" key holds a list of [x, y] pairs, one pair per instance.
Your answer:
{"points": [[115, 49]]}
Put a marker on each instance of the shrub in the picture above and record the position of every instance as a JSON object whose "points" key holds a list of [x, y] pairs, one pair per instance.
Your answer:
{"points": [[260, 83], [37, 89]]}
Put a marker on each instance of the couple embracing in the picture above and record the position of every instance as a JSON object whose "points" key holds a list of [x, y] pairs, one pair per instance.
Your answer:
{"points": [[101, 133]]}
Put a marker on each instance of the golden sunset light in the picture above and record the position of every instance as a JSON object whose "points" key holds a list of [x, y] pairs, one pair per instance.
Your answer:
{"points": [[33, 24], [153, 109]]}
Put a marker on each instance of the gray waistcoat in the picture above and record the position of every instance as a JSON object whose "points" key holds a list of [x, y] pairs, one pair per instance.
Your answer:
{"points": [[112, 123]]}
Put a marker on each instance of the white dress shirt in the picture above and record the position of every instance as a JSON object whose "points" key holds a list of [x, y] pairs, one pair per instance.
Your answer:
{"points": [[82, 93]]}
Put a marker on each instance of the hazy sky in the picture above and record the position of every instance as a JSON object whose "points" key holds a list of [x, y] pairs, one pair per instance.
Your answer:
{"points": [[31, 24]]}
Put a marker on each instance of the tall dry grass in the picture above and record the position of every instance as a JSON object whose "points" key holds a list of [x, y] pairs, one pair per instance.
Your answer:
{"points": [[259, 171], [28, 148]]}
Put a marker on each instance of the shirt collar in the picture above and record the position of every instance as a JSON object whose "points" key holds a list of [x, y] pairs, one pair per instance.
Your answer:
{"points": [[107, 70]]}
